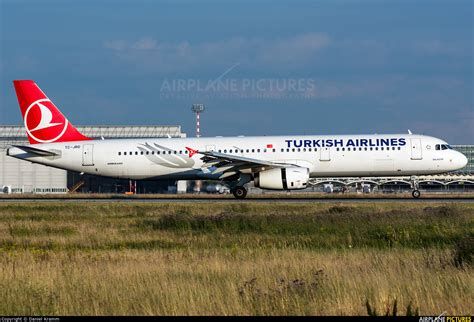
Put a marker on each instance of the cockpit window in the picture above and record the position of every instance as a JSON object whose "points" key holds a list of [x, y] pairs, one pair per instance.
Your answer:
{"points": [[443, 147]]}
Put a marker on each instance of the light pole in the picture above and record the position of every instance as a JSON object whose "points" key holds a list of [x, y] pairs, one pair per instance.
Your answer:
{"points": [[198, 109]]}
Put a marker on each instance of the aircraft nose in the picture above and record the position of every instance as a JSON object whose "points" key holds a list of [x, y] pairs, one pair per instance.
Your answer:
{"points": [[462, 160], [459, 161]]}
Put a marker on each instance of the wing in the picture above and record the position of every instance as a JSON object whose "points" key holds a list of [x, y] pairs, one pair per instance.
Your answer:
{"points": [[230, 165]]}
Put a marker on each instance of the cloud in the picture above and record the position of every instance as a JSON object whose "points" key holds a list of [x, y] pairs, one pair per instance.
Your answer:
{"points": [[437, 47], [154, 55]]}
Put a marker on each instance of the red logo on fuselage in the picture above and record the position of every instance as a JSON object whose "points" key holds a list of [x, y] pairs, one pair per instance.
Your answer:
{"points": [[191, 151], [43, 122]]}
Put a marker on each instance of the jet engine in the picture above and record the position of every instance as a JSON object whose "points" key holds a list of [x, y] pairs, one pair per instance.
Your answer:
{"points": [[282, 178]]}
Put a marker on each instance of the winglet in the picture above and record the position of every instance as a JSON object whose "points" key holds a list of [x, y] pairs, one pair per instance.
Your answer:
{"points": [[191, 152]]}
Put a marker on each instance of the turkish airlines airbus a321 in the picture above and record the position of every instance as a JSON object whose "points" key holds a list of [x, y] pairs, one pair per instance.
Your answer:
{"points": [[271, 162]]}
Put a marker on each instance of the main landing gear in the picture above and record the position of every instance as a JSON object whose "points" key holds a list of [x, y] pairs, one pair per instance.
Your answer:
{"points": [[239, 192], [237, 186], [414, 185]]}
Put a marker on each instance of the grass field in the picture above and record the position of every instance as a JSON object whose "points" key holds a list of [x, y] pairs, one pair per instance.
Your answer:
{"points": [[236, 258]]}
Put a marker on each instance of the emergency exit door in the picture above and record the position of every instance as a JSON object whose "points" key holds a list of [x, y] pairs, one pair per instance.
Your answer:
{"points": [[416, 153], [324, 154], [88, 154]]}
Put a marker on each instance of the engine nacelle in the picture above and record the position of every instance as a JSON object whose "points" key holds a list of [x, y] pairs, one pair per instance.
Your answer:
{"points": [[282, 178]]}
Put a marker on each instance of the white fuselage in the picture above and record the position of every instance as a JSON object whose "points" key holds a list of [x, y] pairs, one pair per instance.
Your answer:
{"points": [[324, 156]]}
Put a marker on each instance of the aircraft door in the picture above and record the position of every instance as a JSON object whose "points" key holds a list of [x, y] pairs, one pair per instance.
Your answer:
{"points": [[416, 152], [324, 154], [87, 154]]}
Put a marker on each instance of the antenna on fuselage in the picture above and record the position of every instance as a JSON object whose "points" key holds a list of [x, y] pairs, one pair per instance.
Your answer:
{"points": [[409, 132]]}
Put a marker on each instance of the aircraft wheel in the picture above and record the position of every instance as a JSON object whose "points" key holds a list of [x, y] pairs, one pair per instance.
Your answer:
{"points": [[416, 193], [239, 192]]}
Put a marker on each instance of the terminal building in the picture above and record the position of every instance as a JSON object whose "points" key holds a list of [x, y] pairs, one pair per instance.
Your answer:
{"points": [[18, 176]]}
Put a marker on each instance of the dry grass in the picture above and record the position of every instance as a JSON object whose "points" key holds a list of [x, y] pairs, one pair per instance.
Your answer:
{"points": [[303, 259]]}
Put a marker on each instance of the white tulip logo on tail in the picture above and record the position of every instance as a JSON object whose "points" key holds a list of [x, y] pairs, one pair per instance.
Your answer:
{"points": [[39, 119]]}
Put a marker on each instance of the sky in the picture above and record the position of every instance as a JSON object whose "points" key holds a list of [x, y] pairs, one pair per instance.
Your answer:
{"points": [[259, 67]]}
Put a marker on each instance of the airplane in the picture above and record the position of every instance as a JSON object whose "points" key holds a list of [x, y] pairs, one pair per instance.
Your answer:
{"points": [[271, 162]]}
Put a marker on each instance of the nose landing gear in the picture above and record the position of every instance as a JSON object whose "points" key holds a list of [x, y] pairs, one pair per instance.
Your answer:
{"points": [[414, 185], [416, 194]]}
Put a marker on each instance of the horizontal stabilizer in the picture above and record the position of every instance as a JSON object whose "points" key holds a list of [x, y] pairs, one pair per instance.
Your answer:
{"points": [[35, 151]]}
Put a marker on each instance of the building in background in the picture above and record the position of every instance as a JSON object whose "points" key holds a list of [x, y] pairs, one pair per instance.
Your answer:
{"points": [[18, 176], [468, 151]]}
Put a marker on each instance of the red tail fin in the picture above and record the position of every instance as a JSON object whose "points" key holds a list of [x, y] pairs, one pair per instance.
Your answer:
{"points": [[44, 122]]}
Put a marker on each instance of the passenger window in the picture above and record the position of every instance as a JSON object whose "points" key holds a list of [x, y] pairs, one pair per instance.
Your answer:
{"points": [[343, 149], [253, 150], [264, 150], [274, 150], [247, 150], [337, 149], [141, 153], [258, 150], [120, 153], [136, 152], [309, 149], [287, 150]]}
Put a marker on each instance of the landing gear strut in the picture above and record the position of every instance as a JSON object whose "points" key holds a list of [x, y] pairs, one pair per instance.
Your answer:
{"points": [[414, 185], [239, 192]]}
